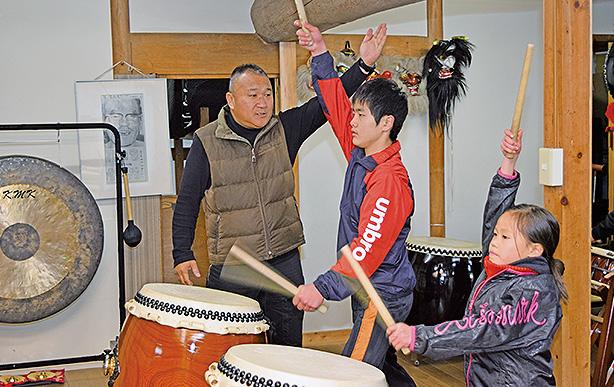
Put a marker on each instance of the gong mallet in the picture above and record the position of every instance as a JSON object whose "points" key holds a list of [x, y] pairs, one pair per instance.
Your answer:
{"points": [[132, 234], [266, 271], [371, 292], [524, 78]]}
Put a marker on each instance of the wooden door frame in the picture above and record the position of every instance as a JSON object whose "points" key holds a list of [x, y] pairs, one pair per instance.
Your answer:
{"points": [[567, 125]]}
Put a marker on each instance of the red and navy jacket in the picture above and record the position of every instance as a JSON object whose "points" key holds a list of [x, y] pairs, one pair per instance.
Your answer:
{"points": [[376, 205]]}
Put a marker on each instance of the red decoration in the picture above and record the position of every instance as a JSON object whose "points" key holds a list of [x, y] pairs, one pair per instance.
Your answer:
{"points": [[33, 378]]}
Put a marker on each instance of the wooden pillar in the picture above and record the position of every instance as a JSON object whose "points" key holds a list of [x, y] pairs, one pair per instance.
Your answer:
{"points": [[437, 191], [120, 34], [287, 90], [567, 125]]}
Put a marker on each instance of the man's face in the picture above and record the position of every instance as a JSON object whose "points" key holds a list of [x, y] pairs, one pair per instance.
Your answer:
{"points": [[126, 115], [251, 100]]}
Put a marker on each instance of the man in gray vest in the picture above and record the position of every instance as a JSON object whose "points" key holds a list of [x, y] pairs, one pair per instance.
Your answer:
{"points": [[240, 167]]}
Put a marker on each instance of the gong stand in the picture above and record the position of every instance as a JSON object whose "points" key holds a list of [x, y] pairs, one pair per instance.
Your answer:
{"points": [[119, 156]]}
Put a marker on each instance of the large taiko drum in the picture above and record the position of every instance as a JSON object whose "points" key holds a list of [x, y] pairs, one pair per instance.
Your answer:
{"points": [[276, 365], [174, 332], [446, 270]]}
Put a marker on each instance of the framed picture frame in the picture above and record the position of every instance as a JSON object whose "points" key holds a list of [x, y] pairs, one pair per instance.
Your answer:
{"points": [[138, 108]]}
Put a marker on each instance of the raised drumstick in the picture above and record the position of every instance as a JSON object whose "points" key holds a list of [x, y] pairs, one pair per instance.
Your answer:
{"points": [[524, 78], [266, 271], [300, 8], [522, 89], [371, 292], [302, 16]]}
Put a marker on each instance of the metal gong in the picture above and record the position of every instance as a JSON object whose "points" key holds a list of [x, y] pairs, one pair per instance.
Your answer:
{"points": [[51, 238]]}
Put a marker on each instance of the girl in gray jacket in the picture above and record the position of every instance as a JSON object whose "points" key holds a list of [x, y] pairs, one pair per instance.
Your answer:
{"points": [[514, 309]]}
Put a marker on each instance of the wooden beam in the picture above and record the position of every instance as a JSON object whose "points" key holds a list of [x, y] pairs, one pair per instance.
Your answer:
{"points": [[567, 125], [200, 54], [437, 191], [216, 55], [395, 45]]}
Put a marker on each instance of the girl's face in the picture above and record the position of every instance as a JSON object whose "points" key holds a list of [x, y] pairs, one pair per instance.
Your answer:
{"points": [[508, 245]]}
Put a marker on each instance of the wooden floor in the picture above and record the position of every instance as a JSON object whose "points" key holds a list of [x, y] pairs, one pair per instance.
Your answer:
{"points": [[428, 374]]}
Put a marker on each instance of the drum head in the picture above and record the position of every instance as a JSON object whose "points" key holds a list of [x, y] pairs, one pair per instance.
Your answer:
{"points": [[296, 366], [444, 247], [194, 307], [51, 238]]}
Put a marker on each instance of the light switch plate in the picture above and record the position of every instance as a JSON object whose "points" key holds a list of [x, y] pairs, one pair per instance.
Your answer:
{"points": [[551, 166]]}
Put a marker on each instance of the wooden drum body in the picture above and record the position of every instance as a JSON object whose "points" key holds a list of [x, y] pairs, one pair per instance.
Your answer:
{"points": [[174, 332], [446, 270], [276, 365]]}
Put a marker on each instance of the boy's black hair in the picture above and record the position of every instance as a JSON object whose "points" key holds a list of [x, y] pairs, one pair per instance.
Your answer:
{"points": [[383, 97]]}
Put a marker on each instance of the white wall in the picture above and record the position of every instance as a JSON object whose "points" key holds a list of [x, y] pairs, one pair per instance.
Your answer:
{"points": [[203, 16], [603, 17], [473, 153]]}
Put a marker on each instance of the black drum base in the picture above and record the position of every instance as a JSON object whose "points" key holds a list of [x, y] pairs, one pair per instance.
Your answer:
{"points": [[443, 286]]}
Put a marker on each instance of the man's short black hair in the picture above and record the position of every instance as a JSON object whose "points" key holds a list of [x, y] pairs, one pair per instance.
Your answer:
{"points": [[383, 97], [242, 69]]}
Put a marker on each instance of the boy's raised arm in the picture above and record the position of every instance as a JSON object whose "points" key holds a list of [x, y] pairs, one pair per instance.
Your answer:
{"points": [[331, 94]]}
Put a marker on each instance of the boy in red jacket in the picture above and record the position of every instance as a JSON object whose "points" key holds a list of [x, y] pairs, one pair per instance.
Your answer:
{"points": [[376, 205]]}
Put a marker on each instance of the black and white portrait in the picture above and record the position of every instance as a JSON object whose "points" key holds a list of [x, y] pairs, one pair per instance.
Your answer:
{"points": [[138, 108], [125, 112]]}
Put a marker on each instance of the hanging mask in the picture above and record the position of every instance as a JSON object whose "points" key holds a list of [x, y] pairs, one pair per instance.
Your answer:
{"points": [[410, 79], [443, 66]]}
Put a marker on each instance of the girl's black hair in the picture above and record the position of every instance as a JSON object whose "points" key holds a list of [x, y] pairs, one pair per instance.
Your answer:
{"points": [[538, 225]]}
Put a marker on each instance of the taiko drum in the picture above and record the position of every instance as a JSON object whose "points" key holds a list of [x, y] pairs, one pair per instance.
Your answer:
{"points": [[174, 332]]}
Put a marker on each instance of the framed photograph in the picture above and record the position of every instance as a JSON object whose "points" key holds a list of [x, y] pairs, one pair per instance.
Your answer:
{"points": [[138, 108]]}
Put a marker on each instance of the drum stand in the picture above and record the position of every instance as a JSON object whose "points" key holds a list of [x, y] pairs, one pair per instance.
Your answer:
{"points": [[119, 157]]}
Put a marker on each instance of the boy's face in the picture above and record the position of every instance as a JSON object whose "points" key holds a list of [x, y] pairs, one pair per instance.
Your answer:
{"points": [[366, 133]]}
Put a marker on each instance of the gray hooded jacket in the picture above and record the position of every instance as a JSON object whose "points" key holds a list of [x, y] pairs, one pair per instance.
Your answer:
{"points": [[510, 319]]}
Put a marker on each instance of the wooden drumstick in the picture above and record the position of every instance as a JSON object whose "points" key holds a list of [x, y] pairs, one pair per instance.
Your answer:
{"points": [[266, 271], [302, 16], [524, 78], [300, 8], [371, 292], [522, 89]]}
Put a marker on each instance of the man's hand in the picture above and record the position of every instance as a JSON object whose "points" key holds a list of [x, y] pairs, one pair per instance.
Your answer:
{"points": [[310, 38], [373, 44], [308, 298], [183, 271]]}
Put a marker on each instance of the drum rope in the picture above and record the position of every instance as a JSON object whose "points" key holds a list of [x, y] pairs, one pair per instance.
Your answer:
{"points": [[196, 312]]}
